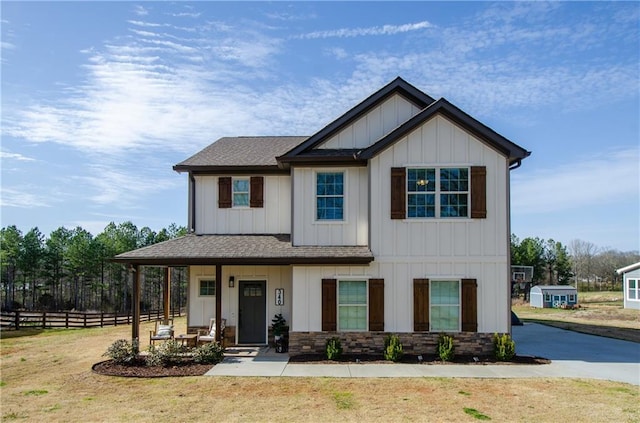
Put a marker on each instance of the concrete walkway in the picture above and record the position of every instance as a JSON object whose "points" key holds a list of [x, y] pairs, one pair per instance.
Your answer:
{"points": [[573, 355]]}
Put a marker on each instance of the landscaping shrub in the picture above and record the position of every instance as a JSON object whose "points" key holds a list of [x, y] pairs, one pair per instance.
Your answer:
{"points": [[392, 348], [209, 353], [333, 348], [446, 349], [121, 351], [504, 347], [164, 354]]}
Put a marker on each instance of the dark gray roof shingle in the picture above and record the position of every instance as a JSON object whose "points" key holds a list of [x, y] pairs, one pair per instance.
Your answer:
{"points": [[243, 249], [241, 151]]}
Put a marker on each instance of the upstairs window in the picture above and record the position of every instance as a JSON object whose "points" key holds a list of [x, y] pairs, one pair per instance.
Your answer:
{"points": [[240, 189], [438, 193], [330, 196]]}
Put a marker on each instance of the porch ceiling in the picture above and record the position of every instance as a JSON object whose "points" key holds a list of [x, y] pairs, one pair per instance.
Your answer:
{"points": [[242, 249]]}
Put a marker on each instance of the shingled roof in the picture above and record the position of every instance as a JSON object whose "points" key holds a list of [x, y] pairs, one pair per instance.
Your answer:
{"points": [[229, 153], [242, 249]]}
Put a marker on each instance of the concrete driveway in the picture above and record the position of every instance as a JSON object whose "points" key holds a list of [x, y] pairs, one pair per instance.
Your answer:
{"points": [[579, 355]]}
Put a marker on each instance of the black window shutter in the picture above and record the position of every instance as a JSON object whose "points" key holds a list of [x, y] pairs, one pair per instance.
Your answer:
{"points": [[478, 192], [329, 315], [469, 305], [224, 192], [257, 191], [398, 193], [421, 305], [376, 305]]}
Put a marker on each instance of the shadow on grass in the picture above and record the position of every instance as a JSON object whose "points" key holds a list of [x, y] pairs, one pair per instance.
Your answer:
{"points": [[12, 333]]}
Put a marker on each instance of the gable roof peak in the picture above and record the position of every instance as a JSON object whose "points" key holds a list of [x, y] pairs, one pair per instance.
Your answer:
{"points": [[397, 86]]}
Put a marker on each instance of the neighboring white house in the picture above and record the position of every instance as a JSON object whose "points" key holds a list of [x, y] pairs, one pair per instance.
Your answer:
{"points": [[631, 285], [394, 218]]}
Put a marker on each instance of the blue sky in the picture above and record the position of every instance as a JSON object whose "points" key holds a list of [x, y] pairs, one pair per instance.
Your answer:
{"points": [[99, 100]]}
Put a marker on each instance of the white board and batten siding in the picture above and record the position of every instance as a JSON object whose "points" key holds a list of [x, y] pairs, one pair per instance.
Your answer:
{"points": [[273, 218], [398, 290], [201, 309], [424, 248], [378, 122], [352, 230]]}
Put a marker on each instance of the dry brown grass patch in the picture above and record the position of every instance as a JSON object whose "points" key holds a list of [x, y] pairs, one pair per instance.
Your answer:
{"points": [[46, 376]]}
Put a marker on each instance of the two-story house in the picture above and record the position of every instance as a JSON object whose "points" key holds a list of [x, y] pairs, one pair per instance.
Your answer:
{"points": [[394, 218]]}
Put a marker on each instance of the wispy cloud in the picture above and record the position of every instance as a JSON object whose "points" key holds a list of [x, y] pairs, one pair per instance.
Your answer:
{"points": [[362, 32], [15, 156], [21, 198], [590, 181], [140, 10]]}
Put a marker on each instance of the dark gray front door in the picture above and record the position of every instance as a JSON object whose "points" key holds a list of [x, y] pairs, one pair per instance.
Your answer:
{"points": [[252, 316]]}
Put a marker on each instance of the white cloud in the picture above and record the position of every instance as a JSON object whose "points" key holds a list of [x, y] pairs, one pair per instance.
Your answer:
{"points": [[15, 156], [123, 188], [591, 181], [21, 198], [140, 10], [361, 32]]}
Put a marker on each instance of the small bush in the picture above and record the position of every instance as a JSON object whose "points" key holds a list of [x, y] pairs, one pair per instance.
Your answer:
{"points": [[121, 351], [333, 348], [164, 354], [209, 353], [392, 348], [446, 349], [504, 347]]}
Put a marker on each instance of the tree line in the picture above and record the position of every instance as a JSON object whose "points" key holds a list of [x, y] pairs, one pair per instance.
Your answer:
{"points": [[582, 263], [71, 269]]}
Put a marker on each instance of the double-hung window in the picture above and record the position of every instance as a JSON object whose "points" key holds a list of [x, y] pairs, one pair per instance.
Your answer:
{"points": [[633, 289], [330, 196], [240, 191], [438, 192], [445, 305], [352, 305]]}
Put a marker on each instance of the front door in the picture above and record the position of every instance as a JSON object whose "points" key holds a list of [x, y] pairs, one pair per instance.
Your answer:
{"points": [[252, 312]]}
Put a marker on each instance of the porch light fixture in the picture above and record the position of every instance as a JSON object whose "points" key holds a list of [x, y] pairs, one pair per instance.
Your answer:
{"points": [[232, 281]]}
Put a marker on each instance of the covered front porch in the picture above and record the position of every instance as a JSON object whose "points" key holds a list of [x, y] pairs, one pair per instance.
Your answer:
{"points": [[240, 281]]}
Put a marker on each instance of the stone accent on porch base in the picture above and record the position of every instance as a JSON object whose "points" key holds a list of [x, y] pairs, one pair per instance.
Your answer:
{"points": [[466, 343]]}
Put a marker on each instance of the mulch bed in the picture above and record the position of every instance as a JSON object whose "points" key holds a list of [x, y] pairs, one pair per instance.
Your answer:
{"points": [[138, 368], [413, 359], [188, 367]]}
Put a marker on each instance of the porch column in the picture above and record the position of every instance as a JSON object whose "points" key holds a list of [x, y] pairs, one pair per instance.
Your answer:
{"points": [[166, 294], [135, 306], [218, 301]]}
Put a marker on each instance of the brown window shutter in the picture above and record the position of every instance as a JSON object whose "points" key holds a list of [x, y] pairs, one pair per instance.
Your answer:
{"points": [[478, 192], [421, 305], [469, 305], [376, 305], [329, 316], [398, 193], [256, 191], [224, 192]]}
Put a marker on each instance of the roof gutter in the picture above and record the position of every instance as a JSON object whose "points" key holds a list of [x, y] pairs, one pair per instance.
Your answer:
{"points": [[516, 165]]}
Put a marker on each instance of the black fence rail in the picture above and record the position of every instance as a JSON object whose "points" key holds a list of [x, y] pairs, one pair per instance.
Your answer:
{"points": [[74, 319]]}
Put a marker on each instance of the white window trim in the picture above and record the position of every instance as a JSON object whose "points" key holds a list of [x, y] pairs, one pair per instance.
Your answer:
{"points": [[637, 289], [206, 278], [344, 197], [240, 178], [352, 279], [453, 279], [437, 193]]}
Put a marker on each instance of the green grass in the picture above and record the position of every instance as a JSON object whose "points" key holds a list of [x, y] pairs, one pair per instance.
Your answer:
{"points": [[37, 392], [475, 413], [344, 400]]}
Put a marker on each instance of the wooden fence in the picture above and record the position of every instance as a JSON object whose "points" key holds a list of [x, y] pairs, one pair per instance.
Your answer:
{"points": [[74, 319]]}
